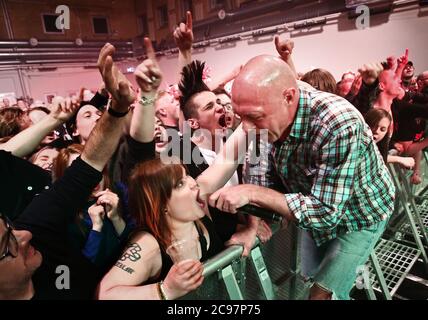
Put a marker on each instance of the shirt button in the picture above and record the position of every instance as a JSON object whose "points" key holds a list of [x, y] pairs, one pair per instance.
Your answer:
{"points": [[29, 188]]}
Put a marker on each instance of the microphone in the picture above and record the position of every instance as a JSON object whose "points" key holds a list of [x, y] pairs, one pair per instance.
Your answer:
{"points": [[260, 212]]}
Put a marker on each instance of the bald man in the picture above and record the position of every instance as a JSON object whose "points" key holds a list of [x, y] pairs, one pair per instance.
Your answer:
{"points": [[339, 189], [389, 89]]}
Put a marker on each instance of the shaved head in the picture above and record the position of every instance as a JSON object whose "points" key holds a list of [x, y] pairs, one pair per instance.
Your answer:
{"points": [[265, 72], [390, 83], [265, 95]]}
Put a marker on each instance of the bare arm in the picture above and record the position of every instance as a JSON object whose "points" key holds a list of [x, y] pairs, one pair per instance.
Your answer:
{"points": [[149, 77], [183, 36], [220, 83], [402, 62], [98, 149], [142, 261], [231, 154], [27, 141], [230, 198], [285, 49], [407, 162]]}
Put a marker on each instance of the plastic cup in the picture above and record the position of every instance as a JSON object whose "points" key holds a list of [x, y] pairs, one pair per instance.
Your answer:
{"points": [[182, 250]]}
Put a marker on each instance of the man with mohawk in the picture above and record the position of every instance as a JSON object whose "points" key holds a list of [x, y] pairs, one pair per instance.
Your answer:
{"points": [[207, 120]]}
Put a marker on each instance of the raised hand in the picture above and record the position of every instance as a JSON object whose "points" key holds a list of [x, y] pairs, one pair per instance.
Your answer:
{"points": [[183, 34], [102, 90], [284, 47], [356, 85], [148, 73], [404, 58], [115, 82], [370, 72], [63, 109]]}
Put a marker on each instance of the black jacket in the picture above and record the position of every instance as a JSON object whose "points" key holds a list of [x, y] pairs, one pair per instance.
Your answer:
{"points": [[47, 218]]}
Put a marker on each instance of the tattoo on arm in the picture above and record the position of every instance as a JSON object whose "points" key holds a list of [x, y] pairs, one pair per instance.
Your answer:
{"points": [[132, 253], [124, 267]]}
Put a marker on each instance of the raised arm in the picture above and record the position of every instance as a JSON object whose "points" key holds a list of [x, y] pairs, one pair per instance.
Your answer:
{"points": [[401, 63], [231, 154], [27, 140], [149, 77], [221, 82], [285, 49], [98, 149], [183, 36]]}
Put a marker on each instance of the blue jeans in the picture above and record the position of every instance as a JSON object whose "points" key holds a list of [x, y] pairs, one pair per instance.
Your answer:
{"points": [[334, 265]]}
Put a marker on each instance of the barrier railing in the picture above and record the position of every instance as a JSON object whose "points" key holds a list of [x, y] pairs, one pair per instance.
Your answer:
{"points": [[271, 273], [274, 269]]}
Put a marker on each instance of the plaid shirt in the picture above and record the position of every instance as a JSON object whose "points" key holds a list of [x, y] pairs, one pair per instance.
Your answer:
{"points": [[336, 179]]}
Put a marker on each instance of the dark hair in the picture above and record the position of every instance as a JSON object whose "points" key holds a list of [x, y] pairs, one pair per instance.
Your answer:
{"points": [[320, 79], [11, 121], [191, 84], [61, 162], [221, 90], [373, 117], [71, 123], [44, 109]]}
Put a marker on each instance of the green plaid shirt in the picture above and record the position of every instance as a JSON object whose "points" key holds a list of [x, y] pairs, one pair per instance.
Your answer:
{"points": [[331, 166]]}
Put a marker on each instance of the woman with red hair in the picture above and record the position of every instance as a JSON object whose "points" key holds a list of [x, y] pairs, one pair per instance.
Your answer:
{"points": [[169, 205]]}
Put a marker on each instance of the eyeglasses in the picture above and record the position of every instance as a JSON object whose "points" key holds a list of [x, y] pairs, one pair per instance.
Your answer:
{"points": [[10, 243], [227, 105]]}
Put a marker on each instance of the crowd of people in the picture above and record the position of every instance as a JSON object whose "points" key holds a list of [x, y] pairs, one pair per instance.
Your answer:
{"points": [[103, 183]]}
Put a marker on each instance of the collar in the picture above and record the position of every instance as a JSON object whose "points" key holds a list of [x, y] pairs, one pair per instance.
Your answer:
{"points": [[300, 126]]}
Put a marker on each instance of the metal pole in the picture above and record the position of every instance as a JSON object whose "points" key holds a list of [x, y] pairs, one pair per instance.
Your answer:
{"points": [[7, 19]]}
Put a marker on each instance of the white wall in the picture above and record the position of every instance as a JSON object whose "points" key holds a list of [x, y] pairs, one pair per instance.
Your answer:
{"points": [[9, 82], [334, 50], [63, 81], [338, 47]]}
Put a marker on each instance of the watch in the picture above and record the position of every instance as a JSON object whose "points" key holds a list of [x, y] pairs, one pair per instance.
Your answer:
{"points": [[115, 113]]}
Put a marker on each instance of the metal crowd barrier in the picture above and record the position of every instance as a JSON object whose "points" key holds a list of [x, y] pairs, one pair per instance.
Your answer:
{"points": [[274, 269], [269, 272]]}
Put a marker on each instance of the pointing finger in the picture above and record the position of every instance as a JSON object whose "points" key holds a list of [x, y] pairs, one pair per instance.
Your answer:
{"points": [[149, 50], [189, 20]]}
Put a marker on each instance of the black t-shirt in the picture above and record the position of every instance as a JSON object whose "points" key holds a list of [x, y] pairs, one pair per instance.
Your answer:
{"points": [[409, 120], [21, 181]]}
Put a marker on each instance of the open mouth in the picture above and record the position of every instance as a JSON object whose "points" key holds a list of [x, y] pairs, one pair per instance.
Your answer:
{"points": [[199, 200], [158, 138], [222, 120], [229, 120]]}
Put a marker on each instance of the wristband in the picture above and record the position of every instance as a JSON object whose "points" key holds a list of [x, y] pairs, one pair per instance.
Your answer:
{"points": [[144, 101], [161, 291], [117, 114]]}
